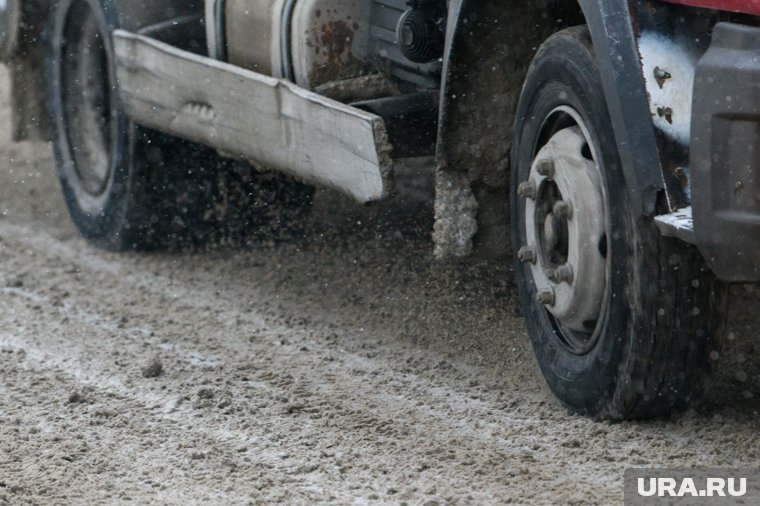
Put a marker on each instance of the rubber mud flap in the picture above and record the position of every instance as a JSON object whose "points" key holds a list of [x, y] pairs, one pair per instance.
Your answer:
{"points": [[8, 27], [725, 153]]}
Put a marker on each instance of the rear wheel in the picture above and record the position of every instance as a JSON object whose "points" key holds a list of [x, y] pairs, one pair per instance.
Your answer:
{"points": [[621, 320], [130, 187]]}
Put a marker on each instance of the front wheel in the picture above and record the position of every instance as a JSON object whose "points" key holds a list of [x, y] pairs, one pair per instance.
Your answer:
{"points": [[622, 321]]}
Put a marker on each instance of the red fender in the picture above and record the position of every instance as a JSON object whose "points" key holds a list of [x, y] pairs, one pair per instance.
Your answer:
{"points": [[746, 6]]}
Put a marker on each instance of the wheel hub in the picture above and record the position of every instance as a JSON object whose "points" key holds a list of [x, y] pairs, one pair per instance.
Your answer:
{"points": [[566, 228]]}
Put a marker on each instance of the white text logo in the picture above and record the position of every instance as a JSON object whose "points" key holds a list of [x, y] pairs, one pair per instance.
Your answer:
{"points": [[713, 487]]}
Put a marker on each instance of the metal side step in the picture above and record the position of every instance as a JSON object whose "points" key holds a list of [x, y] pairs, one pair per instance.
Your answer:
{"points": [[269, 121], [679, 225]]}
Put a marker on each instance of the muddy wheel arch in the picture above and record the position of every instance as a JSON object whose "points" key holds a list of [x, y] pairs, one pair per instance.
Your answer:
{"points": [[488, 52]]}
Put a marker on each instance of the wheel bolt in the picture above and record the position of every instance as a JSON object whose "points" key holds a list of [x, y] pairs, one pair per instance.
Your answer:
{"points": [[527, 190], [527, 255], [562, 274], [565, 273], [563, 209], [545, 167], [546, 297]]}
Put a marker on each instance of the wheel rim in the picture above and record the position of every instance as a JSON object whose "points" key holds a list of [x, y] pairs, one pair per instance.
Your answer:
{"points": [[88, 104], [566, 228]]}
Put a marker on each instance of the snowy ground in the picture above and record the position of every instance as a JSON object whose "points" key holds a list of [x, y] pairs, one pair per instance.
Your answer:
{"points": [[344, 368]]}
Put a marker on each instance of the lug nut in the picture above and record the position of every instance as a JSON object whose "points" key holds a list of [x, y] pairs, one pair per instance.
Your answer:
{"points": [[562, 274], [527, 190], [565, 273], [545, 167], [546, 297], [527, 255], [563, 209]]}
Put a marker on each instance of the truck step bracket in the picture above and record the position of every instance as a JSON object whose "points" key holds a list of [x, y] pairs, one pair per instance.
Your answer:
{"points": [[678, 225], [268, 121]]}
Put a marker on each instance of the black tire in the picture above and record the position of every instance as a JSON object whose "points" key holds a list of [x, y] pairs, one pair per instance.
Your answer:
{"points": [[126, 186], [649, 353]]}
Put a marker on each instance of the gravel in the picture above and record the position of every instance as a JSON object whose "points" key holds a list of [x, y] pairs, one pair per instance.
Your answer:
{"points": [[345, 367]]}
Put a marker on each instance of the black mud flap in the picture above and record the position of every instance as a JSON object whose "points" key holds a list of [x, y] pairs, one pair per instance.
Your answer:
{"points": [[725, 153], [9, 24]]}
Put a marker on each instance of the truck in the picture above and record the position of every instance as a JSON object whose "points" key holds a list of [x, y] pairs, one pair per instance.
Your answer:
{"points": [[608, 149]]}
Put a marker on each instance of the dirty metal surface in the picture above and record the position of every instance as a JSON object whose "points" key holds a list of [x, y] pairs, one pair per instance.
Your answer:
{"points": [[270, 121], [679, 225]]}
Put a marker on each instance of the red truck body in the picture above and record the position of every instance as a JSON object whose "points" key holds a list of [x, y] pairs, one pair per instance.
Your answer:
{"points": [[746, 6]]}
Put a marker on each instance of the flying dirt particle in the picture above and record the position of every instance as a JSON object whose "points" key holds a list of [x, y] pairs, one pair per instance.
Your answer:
{"points": [[292, 409], [306, 469], [154, 369], [205, 393], [76, 398]]}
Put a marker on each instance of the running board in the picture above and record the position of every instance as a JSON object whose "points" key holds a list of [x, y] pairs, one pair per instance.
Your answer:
{"points": [[678, 225], [269, 121]]}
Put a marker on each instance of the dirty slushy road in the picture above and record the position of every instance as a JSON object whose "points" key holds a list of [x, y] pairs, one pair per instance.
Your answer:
{"points": [[347, 367]]}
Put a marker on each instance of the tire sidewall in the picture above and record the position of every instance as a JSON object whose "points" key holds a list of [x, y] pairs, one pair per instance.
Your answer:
{"points": [[564, 73], [95, 216]]}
